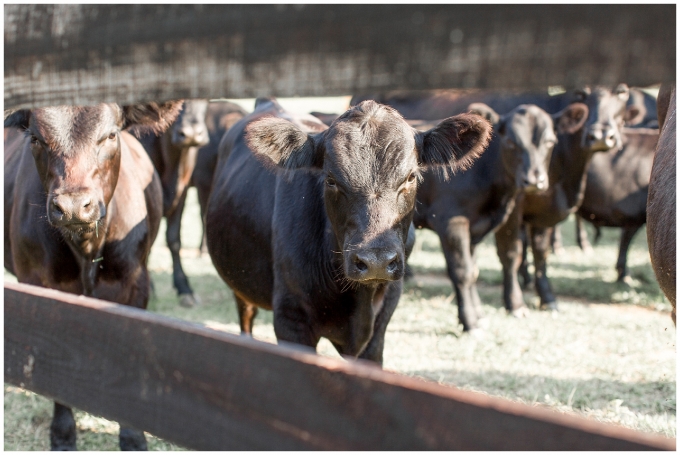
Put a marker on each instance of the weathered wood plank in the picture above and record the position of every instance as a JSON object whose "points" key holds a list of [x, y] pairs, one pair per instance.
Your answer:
{"points": [[210, 390], [78, 54]]}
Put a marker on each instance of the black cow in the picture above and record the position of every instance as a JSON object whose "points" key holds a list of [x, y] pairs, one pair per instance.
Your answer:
{"points": [[540, 212], [616, 190], [465, 208], [220, 116], [661, 210], [82, 209], [315, 222], [173, 153]]}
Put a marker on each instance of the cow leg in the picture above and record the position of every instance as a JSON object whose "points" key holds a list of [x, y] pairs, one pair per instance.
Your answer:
{"points": [[291, 323], [540, 245], [627, 234], [524, 265], [246, 315], [62, 428], [582, 236], [456, 245], [179, 279], [131, 439], [509, 248], [556, 240], [374, 348], [203, 195], [474, 293]]}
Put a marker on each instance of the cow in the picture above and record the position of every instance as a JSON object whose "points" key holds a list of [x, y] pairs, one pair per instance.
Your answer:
{"points": [[661, 199], [220, 116], [540, 213], [173, 153], [83, 205], [315, 222], [616, 191], [462, 210], [616, 183]]}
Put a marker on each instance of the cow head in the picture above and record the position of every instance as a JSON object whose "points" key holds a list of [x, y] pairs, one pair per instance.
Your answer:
{"points": [[527, 136], [77, 152], [189, 129], [607, 113], [370, 160]]}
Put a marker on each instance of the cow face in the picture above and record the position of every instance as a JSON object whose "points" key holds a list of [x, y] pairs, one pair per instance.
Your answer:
{"points": [[77, 153], [189, 129], [370, 160], [607, 113]]}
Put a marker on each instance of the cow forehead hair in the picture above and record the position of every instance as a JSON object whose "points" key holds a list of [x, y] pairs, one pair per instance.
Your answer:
{"points": [[69, 128], [372, 140], [531, 122], [371, 125]]}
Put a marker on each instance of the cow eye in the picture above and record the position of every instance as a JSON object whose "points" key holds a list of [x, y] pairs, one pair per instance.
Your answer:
{"points": [[330, 182], [411, 177], [34, 141], [112, 136]]}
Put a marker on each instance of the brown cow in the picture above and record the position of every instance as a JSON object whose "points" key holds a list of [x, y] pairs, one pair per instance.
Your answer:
{"points": [[661, 200], [173, 153], [82, 209]]}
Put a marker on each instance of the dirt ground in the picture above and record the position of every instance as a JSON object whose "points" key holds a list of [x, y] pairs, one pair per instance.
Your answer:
{"points": [[609, 354]]}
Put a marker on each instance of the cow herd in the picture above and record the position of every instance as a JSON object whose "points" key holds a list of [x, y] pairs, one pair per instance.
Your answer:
{"points": [[314, 216]]}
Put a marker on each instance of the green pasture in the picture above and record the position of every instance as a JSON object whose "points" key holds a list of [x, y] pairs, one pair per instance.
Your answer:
{"points": [[609, 354]]}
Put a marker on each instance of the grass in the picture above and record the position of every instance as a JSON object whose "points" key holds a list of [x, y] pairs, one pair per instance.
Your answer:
{"points": [[608, 355]]}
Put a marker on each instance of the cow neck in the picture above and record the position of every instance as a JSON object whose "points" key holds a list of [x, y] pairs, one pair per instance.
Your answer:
{"points": [[178, 166], [88, 250], [568, 168]]}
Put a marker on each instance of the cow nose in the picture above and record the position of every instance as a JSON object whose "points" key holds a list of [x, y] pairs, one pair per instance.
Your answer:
{"points": [[57, 212], [610, 138], [85, 209], [541, 181], [374, 265], [594, 135]]}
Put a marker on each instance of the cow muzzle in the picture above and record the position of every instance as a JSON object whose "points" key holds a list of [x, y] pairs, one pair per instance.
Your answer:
{"points": [[375, 265], [600, 138], [535, 181], [188, 136], [75, 211]]}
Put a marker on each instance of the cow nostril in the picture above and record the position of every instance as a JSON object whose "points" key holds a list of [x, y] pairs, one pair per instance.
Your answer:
{"points": [[392, 266], [360, 265], [591, 137], [57, 209]]}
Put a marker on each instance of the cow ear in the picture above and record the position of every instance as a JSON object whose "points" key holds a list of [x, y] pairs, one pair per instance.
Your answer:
{"points": [[633, 115], [622, 91], [279, 142], [151, 117], [17, 118], [571, 118], [455, 143], [485, 111]]}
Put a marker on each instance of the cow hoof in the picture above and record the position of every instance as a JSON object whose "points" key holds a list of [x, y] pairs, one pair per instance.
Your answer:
{"points": [[520, 313], [189, 300], [63, 448], [625, 280], [549, 306], [476, 333]]}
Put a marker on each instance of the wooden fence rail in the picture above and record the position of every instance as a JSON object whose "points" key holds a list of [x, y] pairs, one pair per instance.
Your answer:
{"points": [[84, 54], [205, 389]]}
